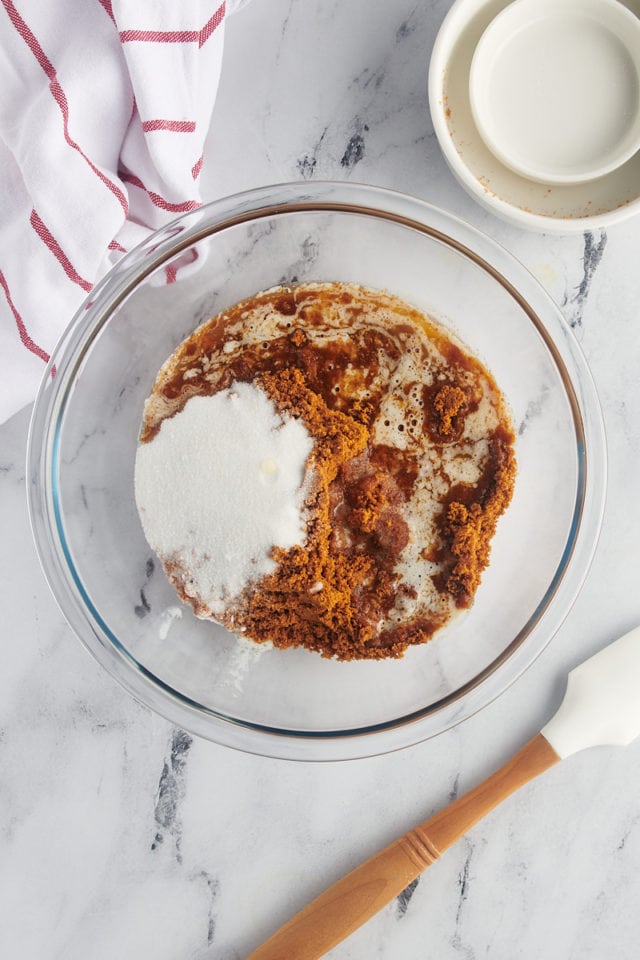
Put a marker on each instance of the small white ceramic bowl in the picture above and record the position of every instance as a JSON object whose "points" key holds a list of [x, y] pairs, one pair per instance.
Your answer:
{"points": [[554, 88], [550, 208]]}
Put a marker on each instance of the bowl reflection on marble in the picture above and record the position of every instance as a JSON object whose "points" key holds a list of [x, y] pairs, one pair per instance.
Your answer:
{"points": [[82, 447]]}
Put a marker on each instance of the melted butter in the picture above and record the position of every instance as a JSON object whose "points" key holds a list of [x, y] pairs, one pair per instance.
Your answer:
{"points": [[372, 355]]}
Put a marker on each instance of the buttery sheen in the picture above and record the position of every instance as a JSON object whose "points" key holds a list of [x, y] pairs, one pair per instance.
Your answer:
{"points": [[409, 465]]}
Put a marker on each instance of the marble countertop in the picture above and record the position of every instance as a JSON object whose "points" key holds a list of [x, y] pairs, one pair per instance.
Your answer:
{"points": [[123, 837]]}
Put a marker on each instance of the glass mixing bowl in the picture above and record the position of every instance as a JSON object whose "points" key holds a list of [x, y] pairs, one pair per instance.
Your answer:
{"points": [[82, 447]]}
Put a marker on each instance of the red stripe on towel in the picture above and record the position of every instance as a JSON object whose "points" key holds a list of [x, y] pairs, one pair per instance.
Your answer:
{"points": [[197, 167], [175, 126], [156, 199], [211, 25], [50, 241], [26, 340], [171, 271], [159, 36], [108, 8], [176, 36], [59, 96]]}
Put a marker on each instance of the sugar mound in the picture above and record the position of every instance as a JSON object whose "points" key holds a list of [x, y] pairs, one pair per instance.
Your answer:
{"points": [[219, 486]]}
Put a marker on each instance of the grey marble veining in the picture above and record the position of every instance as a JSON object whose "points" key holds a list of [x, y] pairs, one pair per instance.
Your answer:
{"points": [[121, 836]]}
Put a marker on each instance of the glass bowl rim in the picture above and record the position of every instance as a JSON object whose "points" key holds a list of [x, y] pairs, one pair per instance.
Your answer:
{"points": [[93, 315]]}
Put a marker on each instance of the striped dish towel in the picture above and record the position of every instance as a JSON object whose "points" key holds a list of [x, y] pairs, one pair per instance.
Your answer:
{"points": [[104, 109]]}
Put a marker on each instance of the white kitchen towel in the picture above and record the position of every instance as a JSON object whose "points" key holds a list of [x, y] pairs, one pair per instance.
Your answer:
{"points": [[104, 110]]}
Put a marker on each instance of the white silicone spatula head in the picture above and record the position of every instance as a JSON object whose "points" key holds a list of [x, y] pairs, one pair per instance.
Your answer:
{"points": [[601, 706], [602, 702]]}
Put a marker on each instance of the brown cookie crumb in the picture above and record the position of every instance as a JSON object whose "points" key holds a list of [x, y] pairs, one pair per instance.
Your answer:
{"points": [[471, 529], [448, 404]]}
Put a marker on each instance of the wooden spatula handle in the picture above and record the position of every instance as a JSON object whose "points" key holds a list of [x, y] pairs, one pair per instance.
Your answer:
{"points": [[362, 893]]}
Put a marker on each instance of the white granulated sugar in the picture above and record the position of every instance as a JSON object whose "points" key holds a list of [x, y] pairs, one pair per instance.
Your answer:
{"points": [[245, 654], [166, 621], [220, 485]]}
